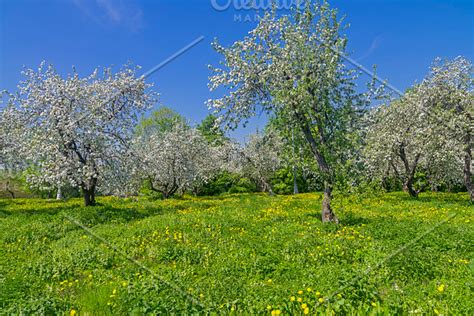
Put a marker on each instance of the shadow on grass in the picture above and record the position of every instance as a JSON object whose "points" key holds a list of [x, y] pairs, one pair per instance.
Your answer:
{"points": [[351, 219], [451, 198]]}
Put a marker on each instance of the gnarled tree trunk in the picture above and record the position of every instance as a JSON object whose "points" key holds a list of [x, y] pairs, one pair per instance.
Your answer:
{"points": [[88, 190], [327, 215]]}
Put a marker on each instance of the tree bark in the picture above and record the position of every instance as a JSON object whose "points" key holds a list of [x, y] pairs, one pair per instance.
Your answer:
{"points": [[467, 167], [408, 184], [59, 194], [295, 183], [8, 189], [89, 192], [408, 187], [327, 215]]}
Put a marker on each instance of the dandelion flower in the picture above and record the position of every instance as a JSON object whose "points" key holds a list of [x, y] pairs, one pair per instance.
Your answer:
{"points": [[374, 304], [303, 306], [321, 300], [306, 311], [440, 288], [73, 312], [308, 289], [292, 298], [299, 299], [300, 292]]}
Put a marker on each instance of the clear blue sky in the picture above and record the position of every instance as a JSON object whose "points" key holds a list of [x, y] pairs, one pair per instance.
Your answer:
{"points": [[401, 36]]}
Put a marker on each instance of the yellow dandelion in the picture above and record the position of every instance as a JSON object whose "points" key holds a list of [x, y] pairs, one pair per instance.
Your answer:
{"points": [[292, 298], [299, 299], [73, 312], [269, 307], [374, 304], [306, 311], [440, 288], [318, 294], [300, 292], [309, 289], [303, 306], [321, 300], [276, 312]]}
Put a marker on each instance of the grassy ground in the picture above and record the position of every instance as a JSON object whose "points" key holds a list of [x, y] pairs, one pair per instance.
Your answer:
{"points": [[239, 253]]}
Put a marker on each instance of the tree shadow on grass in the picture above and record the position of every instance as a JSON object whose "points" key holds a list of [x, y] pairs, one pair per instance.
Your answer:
{"points": [[445, 198], [351, 219]]}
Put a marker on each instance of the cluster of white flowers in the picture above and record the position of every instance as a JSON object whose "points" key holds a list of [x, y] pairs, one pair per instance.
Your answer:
{"points": [[73, 130]]}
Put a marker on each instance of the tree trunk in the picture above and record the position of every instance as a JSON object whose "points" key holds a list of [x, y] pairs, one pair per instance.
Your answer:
{"points": [[89, 192], [59, 194], [326, 211], [89, 197], [408, 187], [9, 190], [467, 166], [295, 183], [266, 187], [327, 215], [409, 172]]}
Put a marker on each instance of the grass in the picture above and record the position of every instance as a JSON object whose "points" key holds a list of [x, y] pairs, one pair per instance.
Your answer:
{"points": [[238, 253]]}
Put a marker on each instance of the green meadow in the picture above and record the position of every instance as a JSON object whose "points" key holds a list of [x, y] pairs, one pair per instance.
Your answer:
{"points": [[238, 254]]}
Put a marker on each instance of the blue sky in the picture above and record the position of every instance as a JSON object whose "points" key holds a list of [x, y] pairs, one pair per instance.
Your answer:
{"points": [[401, 36]]}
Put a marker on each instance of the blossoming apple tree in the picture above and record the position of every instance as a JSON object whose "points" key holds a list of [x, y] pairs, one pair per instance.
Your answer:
{"points": [[292, 67], [449, 89], [429, 129], [177, 160], [259, 158], [74, 129]]}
